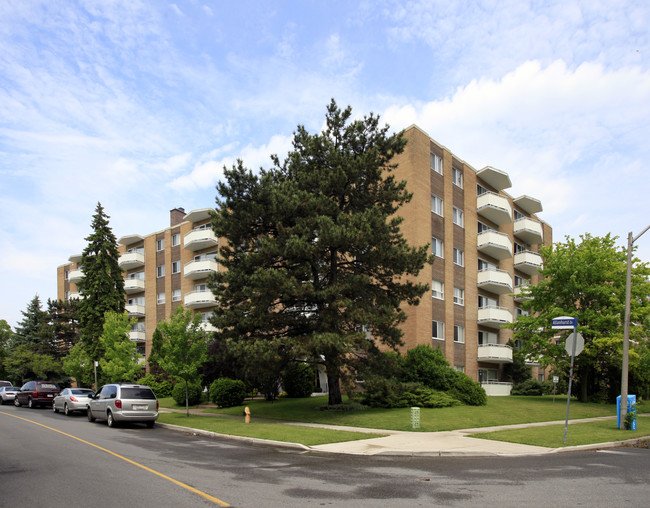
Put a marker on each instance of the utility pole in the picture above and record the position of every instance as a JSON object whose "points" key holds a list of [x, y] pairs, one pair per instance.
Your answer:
{"points": [[626, 325]]}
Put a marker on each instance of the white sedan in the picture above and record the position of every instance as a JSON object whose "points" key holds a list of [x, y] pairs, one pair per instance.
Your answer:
{"points": [[8, 393]]}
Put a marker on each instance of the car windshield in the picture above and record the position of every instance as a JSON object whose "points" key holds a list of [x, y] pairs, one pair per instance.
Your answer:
{"points": [[137, 393]]}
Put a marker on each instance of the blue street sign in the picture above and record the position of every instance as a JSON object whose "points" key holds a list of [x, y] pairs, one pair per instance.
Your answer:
{"points": [[564, 323]]}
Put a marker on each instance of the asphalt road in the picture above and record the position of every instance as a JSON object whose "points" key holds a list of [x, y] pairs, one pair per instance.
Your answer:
{"points": [[50, 460]]}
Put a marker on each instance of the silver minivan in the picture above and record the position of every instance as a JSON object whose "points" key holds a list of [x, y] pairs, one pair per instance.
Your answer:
{"points": [[120, 402]]}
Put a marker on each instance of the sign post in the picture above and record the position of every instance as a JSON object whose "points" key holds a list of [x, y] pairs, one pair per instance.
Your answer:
{"points": [[568, 323]]}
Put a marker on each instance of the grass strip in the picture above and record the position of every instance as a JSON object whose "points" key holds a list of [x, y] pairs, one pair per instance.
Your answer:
{"points": [[551, 436], [308, 436]]}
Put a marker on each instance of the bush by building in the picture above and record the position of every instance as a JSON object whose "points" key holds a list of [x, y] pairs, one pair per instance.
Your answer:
{"points": [[227, 392]]}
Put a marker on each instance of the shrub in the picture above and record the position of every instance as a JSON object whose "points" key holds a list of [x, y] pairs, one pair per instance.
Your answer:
{"points": [[383, 392], [426, 365], [227, 392], [428, 397], [298, 380], [465, 390], [161, 387], [194, 393], [529, 387]]}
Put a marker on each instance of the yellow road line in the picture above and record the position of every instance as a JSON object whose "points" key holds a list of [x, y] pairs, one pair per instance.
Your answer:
{"points": [[180, 484]]}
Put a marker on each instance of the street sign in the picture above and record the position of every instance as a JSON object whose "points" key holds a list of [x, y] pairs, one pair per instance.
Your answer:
{"points": [[564, 323], [580, 344]]}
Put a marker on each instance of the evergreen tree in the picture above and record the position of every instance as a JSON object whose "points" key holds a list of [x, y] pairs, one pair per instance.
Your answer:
{"points": [[102, 285], [314, 256], [33, 330], [6, 337], [62, 316]]}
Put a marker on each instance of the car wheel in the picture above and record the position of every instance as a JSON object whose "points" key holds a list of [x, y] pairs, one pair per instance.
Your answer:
{"points": [[54, 407], [91, 418], [30, 403], [150, 424], [66, 411], [110, 421], [16, 402]]}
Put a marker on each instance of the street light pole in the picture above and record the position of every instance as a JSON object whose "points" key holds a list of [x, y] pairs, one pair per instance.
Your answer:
{"points": [[626, 325]]}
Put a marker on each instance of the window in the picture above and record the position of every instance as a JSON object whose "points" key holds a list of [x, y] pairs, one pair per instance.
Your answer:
{"points": [[138, 300], [161, 298], [176, 295], [520, 312], [520, 281], [459, 334], [436, 247], [459, 368], [67, 274], [480, 190], [516, 215], [488, 375], [457, 177], [459, 217], [438, 331], [176, 266], [459, 296], [519, 248], [486, 265], [484, 301], [438, 289], [485, 338], [176, 239], [436, 204], [436, 163], [67, 295], [136, 275], [160, 270], [482, 228], [160, 244], [459, 257]]}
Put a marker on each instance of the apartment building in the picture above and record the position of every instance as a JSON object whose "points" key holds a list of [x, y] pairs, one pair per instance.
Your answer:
{"points": [[162, 271], [486, 246]]}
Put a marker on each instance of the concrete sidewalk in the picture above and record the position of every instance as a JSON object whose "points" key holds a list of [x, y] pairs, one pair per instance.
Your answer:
{"points": [[432, 444]]}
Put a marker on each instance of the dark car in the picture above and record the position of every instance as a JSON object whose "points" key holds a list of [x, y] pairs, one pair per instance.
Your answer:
{"points": [[37, 393]]}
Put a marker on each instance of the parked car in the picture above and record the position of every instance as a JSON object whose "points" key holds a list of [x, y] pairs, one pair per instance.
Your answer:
{"points": [[6, 383], [71, 400], [36, 393], [8, 393], [117, 403]]}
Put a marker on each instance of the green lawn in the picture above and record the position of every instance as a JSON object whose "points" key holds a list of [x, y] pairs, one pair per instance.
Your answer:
{"points": [[308, 436], [552, 436], [498, 411]]}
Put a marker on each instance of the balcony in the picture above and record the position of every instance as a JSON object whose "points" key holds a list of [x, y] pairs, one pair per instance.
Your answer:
{"points": [[75, 275], [200, 299], [131, 260], [135, 310], [133, 286], [528, 204], [494, 244], [207, 326], [200, 269], [494, 353], [494, 317], [199, 239], [75, 296], [496, 389], [137, 336], [494, 177], [495, 281], [529, 230], [521, 295], [494, 207], [532, 361], [528, 262]]}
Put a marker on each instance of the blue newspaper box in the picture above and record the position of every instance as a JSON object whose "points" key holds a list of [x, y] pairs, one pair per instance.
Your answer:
{"points": [[631, 408]]}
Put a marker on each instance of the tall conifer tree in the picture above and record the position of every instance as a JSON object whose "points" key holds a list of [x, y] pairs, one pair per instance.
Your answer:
{"points": [[316, 267], [102, 284]]}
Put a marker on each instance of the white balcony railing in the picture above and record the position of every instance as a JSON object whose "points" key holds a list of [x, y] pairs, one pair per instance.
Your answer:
{"points": [[135, 310], [133, 286], [200, 269], [521, 294], [529, 230], [200, 239], [528, 262], [130, 260], [494, 207], [137, 336], [75, 275], [494, 353], [494, 244], [200, 299], [495, 281], [496, 389], [494, 317]]}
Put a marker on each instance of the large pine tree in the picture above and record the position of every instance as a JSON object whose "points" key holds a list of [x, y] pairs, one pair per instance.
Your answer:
{"points": [[314, 257], [102, 285], [32, 331]]}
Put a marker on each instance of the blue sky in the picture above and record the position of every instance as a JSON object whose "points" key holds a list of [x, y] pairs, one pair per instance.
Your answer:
{"points": [[138, 104]]}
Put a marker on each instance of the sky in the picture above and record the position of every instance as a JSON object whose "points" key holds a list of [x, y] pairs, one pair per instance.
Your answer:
{"points": [[139, 104]]}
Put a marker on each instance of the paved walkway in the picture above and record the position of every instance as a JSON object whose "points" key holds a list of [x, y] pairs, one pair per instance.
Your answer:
{"points": [[401, 443]]}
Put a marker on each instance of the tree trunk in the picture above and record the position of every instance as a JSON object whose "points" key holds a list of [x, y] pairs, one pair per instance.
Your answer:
{"points": [[333, 385]]}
